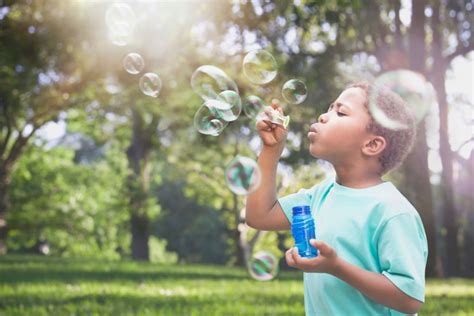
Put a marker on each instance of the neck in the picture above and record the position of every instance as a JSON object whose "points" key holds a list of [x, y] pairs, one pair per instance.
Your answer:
{"points": [[356, 178]]}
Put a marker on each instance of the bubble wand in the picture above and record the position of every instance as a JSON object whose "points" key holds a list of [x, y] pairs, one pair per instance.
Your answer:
{"points": [[270, 114]]}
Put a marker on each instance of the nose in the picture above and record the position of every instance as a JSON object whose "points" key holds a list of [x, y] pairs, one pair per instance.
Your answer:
{"points": [[323, 118]]}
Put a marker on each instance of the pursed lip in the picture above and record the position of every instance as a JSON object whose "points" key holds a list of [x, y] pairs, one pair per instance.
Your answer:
{"points": [[312, 132]]}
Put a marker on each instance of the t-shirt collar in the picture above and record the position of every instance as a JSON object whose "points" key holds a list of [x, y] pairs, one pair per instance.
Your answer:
{"points": [[381, 187]]}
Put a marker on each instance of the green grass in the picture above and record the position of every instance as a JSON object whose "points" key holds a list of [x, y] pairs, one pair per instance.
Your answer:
{"points": [[32, 285]]}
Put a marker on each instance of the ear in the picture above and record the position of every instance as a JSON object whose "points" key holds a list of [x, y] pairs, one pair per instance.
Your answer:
{"points": [[374, 146]]}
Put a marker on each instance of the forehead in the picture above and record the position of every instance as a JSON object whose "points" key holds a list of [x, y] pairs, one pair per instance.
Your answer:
{"points": [[354, 97]]}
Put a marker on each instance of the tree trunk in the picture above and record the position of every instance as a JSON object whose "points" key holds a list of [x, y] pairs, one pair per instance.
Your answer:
{"points": [[417, 188], [4, 206], [140, 237], [449, 217], [139, 183], [241, 257], [466, 185], [417, 185]]}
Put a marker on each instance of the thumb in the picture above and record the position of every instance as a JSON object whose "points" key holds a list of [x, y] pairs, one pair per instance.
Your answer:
{"points": [[323, 248]]}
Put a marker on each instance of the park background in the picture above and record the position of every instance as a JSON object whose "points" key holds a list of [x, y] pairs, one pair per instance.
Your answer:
{"points": [[112, 203]]}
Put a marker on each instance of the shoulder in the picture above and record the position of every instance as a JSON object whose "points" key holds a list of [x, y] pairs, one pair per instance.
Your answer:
{"points": [[393, 203], [397, 211], [317, 189]]}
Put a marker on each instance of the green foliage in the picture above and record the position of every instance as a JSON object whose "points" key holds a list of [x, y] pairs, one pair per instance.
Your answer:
{"points": [[196, 233], [44, 286], [158, 253], [79, 209]]}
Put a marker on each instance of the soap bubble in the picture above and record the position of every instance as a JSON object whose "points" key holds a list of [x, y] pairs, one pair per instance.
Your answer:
{"points": [[133, 63], [263, 266], [414, 89], [294, 91], [208, 121], [209, 81], [260, 67], [229, 104], [252, 106], [120, 19], [242, 175], [150, 84]]}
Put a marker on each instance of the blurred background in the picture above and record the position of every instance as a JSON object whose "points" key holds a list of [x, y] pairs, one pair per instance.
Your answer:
{"points": [[95, 175]]}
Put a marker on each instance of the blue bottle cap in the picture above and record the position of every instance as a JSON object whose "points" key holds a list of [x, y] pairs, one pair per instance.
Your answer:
{"points": [[301, 210]]}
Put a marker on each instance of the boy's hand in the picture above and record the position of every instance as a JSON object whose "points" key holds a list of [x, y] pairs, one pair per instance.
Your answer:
{"points": [[272, 134], [326, 262]]}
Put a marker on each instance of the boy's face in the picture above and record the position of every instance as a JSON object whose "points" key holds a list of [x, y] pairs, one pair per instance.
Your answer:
{"points": [[340, 133]]}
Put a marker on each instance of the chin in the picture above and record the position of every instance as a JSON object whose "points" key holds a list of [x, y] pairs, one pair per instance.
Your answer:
{"points": [[320, 152], [315, 153]]}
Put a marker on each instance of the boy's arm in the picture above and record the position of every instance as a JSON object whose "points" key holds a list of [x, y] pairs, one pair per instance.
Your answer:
{"points": [[374, 285], [377, 287], [262, 208]]}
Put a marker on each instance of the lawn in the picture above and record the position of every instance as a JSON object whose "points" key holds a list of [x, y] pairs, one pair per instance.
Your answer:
{"points": [[31, 285]]}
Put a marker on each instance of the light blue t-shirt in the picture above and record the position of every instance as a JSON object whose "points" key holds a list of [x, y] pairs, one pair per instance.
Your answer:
{"points": [[374, 228]]}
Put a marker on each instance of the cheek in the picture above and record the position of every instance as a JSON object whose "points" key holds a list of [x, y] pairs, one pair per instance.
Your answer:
{"points": [[347, 136]]}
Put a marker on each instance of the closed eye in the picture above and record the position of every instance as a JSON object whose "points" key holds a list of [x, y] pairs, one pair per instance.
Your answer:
{"points": [[341, 114]]}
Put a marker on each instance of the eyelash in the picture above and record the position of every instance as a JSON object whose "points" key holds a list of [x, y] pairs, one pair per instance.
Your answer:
{"points": [[338, 113]]}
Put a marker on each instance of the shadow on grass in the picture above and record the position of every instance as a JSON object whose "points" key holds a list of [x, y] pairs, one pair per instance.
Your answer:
{"points": [[33, 269], [131, 305]]}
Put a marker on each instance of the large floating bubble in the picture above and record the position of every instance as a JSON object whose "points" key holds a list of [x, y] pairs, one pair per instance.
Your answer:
{"points": [[263, 266], [294, 91], [133, 63], [208, 120], [252, 106], [242, 175], [150, 84], [414, 89], [120, 19], [209, 81], [260, 66], [229, 104]]}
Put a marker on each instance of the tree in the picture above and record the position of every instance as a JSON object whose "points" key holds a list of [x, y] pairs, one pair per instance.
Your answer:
{"points": [[42, 71], [51, 194]]}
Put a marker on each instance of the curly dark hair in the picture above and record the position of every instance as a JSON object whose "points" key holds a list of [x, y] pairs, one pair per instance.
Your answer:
{"points": [[399, 141]]}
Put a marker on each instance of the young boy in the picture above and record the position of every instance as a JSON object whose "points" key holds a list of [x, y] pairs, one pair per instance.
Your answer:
{"points": [[371, 242]]}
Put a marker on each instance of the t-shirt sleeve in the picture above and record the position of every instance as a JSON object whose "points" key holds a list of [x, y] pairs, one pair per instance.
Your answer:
{"points": [[403, 252], [302, 197]]}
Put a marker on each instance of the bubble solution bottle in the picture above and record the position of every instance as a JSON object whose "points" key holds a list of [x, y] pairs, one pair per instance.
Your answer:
{"points": [[303, 230]]}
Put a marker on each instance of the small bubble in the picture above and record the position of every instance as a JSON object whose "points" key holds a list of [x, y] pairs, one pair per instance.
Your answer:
{"points": [[243, 175], [133, 63], [263, 266], [259, 66], [208, 120], [150, 84], [294, 91]]}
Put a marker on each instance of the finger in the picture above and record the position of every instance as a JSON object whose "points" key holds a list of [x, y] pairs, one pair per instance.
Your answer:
{"points": [[289, 257], [322, 247], [275, 103], [295, 255], [268, 111], [263, 125], [277, 106]]}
